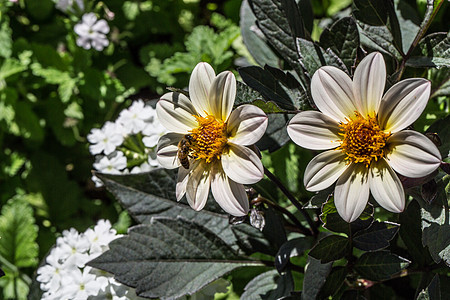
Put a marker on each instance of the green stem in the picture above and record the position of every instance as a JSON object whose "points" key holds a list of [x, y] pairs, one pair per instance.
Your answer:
{"points": [[423, 29], [290, 215], [294, 201]]}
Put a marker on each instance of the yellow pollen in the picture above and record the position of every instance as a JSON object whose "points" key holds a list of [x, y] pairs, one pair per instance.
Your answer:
{"points": [[208, 139], [363, 140]]}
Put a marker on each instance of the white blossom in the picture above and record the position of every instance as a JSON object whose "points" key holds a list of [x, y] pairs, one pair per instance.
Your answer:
{"points": [[135, 118], [92, 32], [80, 284], [218, 154], [362, 131], [69, 5], [105, 139], [65, 276], [112, 164]]}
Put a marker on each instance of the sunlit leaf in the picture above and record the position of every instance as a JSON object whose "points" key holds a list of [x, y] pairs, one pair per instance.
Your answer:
{"points": [[376, 237], [169, 258], [254, 38], [380, 265], [269, 285]]}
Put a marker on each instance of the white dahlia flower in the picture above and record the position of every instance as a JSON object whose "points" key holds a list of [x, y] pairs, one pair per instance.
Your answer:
{"points": [[208, 141], [363, 129]]}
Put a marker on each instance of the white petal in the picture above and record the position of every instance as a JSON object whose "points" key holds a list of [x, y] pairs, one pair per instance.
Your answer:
{"points": [[89, 19], [174, 114], [368, 83], [197, 187], [101, 26], [331, 90], [221, 95], [386, 187], [246, 125], [324, 169], [352, 192], [229, 195], [182, 179], [403, 104], [242, 164], [412, 154], [199, 86], [167, 149], [314, 130]]}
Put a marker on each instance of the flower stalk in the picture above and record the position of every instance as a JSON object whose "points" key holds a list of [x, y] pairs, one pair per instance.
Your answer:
{"points": [[294, 201]]}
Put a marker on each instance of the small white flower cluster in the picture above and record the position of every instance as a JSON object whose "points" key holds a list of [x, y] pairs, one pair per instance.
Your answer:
{"points": [[65, 275], [70, 5], [92, 32], [127, 145]]}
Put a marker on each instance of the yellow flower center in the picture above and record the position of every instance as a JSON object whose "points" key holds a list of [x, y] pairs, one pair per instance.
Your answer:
{"points": [[363, 140], [208, 139]]}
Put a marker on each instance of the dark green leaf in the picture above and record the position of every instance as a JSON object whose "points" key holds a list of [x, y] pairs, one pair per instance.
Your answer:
{"points": [[436, 225], [378, 38], [276, 86], [28, 122], [18, 234], [330, 248], [269, 285], [276, 134], [169, 258], [380, 265], [442, 129], [274, 229], [319, 199], [54, 110], [432, 292], [152, 194], [440, 82], [334, 282], [343, 39], [409, 22], [39, 10], [247, 95], [272, 21], [254, 39], [376, 237], [252, 240], [315, 275], [434, 52], [333, 221], [291, 248], [378, 18], [294, 18], [411, 234], [306, 9], [429, 191], [313, 57]]}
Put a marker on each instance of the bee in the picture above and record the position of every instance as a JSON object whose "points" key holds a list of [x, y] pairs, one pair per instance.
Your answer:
{"points": [[184, 149]]}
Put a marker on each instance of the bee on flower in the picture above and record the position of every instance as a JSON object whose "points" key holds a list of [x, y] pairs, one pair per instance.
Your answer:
{"points": [[363, 133], [216, 150]]}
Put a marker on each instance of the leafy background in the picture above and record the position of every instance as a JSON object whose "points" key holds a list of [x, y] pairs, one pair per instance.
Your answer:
{"points": [[52, 93]]}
